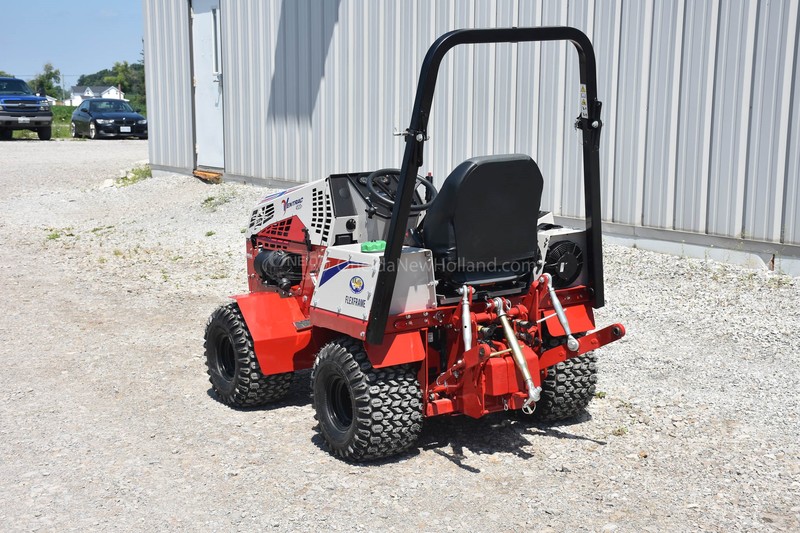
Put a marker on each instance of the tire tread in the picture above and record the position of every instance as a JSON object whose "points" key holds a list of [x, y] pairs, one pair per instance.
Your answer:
{"points": [[251, 387], [388, 402], [567, 388]]}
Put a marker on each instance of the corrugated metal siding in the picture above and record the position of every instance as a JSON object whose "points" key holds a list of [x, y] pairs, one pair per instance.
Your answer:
{"points": [[168, 79], [698, 98], [769, 125], [791, 209]]}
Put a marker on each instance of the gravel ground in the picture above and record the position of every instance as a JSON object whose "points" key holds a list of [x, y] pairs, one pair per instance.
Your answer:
{"points": [[107, 421]]}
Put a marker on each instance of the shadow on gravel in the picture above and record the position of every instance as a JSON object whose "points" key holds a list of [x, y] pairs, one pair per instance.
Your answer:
{"points": [[449, 436], [499, 432]]}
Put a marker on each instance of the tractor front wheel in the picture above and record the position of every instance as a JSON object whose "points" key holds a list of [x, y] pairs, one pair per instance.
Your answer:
{"points": [[567, 388], [232, 365], [364, 413]]}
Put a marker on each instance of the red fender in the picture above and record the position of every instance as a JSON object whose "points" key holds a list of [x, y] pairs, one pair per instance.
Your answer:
{"points": [[396, 349], [281, 334]]}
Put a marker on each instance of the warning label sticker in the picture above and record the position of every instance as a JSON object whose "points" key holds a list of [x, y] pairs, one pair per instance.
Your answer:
{"points": [[584, 106]]}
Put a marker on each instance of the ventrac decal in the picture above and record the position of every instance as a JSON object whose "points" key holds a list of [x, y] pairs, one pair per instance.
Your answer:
{"points": [[334, 266], [288, 204]]}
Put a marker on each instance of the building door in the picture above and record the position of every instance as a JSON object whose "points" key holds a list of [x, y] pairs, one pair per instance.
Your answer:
{"points": [[208, 84]]}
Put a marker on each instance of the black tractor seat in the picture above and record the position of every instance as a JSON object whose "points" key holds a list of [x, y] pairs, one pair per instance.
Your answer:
{"points": [[481, 227]]}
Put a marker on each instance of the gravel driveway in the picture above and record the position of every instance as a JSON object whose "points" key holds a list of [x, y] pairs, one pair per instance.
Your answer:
{"points": [[107, 421]]}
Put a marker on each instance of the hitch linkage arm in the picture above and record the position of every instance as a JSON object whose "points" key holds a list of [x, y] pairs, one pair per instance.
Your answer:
{"points": [[534, 392], [572, 343]]}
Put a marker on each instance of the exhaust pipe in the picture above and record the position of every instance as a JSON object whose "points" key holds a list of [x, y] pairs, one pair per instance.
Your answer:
{"points": [[534, 392]]}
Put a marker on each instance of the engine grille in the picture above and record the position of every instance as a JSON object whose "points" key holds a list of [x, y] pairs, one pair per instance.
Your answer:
{"points": [[20, 105], [261, 217], [321, 213]]}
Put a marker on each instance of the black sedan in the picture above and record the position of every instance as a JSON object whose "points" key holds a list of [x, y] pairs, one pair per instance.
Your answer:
{"points": [[107, 117]]}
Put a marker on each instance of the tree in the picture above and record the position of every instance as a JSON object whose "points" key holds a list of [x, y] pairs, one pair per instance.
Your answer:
{"points": [[128, 75], [4, 74], [121, 76], [94, 79], [48, 81]]}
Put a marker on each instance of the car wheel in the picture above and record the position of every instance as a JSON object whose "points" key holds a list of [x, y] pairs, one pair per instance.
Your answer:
{"points": [[92, 130], [5, 135], [45, 134], [72, 132]]}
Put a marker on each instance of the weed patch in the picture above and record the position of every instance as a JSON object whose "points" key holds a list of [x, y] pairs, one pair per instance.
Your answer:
{"points": [[135, 175]]}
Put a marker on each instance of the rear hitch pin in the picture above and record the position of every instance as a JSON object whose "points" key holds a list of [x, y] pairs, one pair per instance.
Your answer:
{"points": [[534, 392], [572, 343]]}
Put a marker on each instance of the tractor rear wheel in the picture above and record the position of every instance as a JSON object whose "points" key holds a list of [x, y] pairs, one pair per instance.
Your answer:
{"points": [[364, 413], [567, 388], [233, 369]]}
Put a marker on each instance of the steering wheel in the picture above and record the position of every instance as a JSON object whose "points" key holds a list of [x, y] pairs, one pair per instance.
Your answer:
{"points": [[386, 197]]}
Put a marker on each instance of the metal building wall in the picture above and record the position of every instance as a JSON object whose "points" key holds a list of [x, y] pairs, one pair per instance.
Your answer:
{"points": [[168, 79], [698, 100]]}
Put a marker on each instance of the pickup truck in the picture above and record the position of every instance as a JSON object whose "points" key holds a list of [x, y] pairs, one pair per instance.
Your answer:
{"points": [[20, 109]]}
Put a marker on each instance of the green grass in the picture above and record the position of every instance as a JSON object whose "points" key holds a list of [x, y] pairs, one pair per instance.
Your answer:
{"points": [[210, 233], [135, 175], [213, 202], [62, 114], [56, 233]]}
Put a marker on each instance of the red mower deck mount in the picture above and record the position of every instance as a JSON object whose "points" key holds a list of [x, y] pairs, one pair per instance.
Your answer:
{"points": [[407, 302]]}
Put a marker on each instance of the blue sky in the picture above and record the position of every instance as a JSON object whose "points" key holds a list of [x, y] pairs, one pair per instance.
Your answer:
{"points": [[76, 37]]}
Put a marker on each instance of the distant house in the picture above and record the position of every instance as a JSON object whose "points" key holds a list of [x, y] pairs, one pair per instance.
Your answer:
{"points": [[81, 93]]}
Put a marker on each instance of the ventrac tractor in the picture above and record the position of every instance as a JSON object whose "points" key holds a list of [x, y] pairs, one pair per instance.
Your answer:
{"points": [[409, 303]]}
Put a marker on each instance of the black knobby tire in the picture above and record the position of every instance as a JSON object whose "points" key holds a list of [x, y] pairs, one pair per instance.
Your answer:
{"points": [[45, 134], [567, 388], [364, 413], [232, 366], [6, 135]]}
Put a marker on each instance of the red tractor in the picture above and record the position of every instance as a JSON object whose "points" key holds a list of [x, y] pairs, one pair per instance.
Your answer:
{"points": [[409, 303]]}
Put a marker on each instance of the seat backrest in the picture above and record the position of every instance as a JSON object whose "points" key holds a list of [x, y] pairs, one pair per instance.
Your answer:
{"points": [[486, 213]]}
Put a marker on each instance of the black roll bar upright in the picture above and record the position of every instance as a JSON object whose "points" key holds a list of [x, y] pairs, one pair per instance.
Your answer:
{"points": [[416, 134]]}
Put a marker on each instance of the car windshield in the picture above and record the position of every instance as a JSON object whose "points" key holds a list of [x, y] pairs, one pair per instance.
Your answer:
{"points": [[14, 87], [113, 106]]}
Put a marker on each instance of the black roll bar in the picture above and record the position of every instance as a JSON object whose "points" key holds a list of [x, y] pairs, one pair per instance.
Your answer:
{"points": [[416, 134]]}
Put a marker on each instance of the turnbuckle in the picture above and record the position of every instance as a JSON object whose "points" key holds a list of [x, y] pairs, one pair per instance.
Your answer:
{"points": [[534, 392]]}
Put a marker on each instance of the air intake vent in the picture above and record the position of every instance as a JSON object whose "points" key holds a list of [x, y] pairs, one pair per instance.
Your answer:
{"points": [[564, 263], [260, 217], [321, 213]]}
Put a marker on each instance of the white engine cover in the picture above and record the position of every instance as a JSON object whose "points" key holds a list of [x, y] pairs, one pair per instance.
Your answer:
{"points": [[311, 203], [346, 283]]}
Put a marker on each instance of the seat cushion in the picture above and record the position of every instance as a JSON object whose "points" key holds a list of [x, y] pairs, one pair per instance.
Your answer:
{"points": [[486, 214]]}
